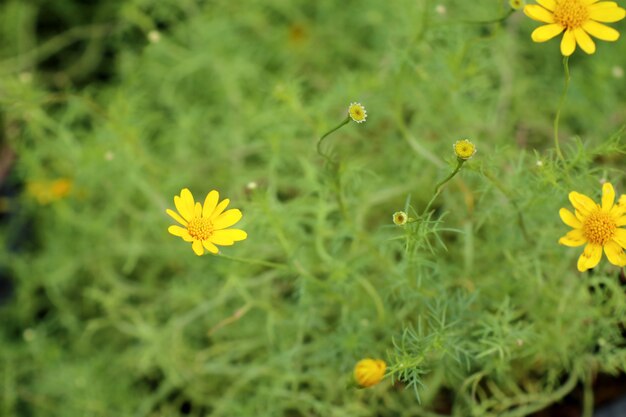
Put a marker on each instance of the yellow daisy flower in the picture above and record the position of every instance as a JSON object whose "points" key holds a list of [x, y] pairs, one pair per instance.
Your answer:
{"points": [[357, 112], [369, 372], [205, 226], [464, 149], [578, 18], [598, 226]]}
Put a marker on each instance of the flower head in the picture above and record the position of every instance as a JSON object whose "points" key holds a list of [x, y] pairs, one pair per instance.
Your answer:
{"points": [[597, 225], [205, 226], [516, 4], [46, 192], [464, 149], [578, 19], [369, 372], [400, 218], [357, 112]]}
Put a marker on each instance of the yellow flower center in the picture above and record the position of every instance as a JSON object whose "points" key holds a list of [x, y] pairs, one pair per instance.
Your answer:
{"points": [[464, 149], [571, 14], [200, 229], [599, 227]]}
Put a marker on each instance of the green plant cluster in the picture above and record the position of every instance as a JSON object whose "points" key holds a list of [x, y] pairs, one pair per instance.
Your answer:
{"points": [[474, 306]]}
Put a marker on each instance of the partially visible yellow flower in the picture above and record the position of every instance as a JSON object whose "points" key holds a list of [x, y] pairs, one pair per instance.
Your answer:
{"points": [[369, 372], [464, 149], [516, 4], [578, 19], [46, 192], [205, 226], [400, 218], [357, 112], [622, 200], [598, 226]]}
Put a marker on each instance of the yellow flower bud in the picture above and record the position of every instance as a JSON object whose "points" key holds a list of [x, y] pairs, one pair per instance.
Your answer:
{"points": [[400, 218], [517, 4], [464, 149], [369, 372], [357, 112]]}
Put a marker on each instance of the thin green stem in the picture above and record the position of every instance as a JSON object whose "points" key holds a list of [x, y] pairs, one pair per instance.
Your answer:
{"points": [[439, 186], [558, 112], [319, 143], [253, 261], [481, 22]]}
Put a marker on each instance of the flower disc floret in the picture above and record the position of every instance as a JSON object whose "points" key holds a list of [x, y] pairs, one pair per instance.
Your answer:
{"points": [[206, 225], [357, 112], [578, 20], [598, 226]]}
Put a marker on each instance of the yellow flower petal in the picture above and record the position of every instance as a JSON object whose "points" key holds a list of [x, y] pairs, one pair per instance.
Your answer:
{"points": [[176, 217], [180, 232], [600, 31], [621, 221], [569, 218], [219, 209], [568, 43], [608, 196], [210, 247], [538, 13], [607, 14], [590, 257], [228, 236], [197, 213], [210, 202], [187, 201], [582, 203], [546, 32], [584, 41], [548, 4], [588, 2], [573, 238], [182, 208], [615, 253], [197, 247], [603, 5], [227, 219], [620, 237]]}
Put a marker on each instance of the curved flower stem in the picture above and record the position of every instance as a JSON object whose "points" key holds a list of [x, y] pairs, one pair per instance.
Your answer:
{"points": [[253, 261], [319, 143], [558, 112], [459, 164]]}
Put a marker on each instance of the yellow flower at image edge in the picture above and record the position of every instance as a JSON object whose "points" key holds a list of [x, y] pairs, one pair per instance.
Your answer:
{"points": [[357, 112], [578, 19], [369, 372], [598, 226], [206, 225]]}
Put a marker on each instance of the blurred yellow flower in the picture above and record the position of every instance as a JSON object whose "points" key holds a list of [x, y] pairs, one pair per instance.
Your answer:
{"points": [[464, 149], [369, 372], [598, 226], [46, 192], [578, 18], [516, 4], [205, 226], [400, 218], [357, 112]]}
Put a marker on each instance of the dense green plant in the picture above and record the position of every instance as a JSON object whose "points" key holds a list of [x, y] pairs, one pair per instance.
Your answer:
{"points": [[475, 307]]}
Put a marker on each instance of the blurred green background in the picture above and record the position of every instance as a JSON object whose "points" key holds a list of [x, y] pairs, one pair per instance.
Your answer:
{"points": [[110, 108]]}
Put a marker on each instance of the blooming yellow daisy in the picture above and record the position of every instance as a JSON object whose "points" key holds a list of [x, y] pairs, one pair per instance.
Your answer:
{"points": [[205, 226], [578, 18], [464, 149], [369, 372], [357, 112], [598, 226]]}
